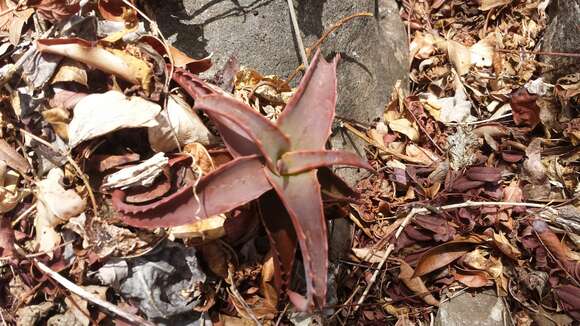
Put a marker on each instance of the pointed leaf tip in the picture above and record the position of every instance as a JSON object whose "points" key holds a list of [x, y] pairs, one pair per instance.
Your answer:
{"points": [[308, 115], [267, 136]]}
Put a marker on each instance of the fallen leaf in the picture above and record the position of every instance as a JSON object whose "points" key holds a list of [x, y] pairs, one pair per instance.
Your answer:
{"points": [[10, 193], [6, 237], [486, 5], [12, 158], [473, 279], [444, 254], [142, 174], [405, 127], [178, 125], [525, 110], [55, 206], [112, 61], [71, 71], [369, 255], [415, 284], [99, 114], [55, 10]]}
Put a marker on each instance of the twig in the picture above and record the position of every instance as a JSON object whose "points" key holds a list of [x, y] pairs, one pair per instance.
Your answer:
{"points": [[557, 54], [236, 294], [479, 121], [91, 297], [316, 44], [24, 214], [334, 27], [388, 251], [297, 34]]}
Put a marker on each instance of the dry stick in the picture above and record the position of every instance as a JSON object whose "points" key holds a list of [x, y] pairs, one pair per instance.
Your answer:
{"points": [[557, 54], [297, 33], [91, 297], [416, 211], [480, 121], [323, 38], [388, 251]]}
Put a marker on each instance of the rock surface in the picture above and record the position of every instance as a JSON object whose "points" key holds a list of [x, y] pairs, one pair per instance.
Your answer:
{"points": [[562, 35], [259, 34], [481, 309]]}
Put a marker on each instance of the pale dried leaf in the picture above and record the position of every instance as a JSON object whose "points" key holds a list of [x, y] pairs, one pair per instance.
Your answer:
{"points": [[179, 122], [99, 114]]}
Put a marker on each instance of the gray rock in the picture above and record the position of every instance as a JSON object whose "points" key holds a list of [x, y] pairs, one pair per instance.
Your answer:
{"points": [[480, 309], [259, 33], [562, 35]]}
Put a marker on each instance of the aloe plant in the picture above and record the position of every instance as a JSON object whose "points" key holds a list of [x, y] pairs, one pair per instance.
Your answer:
{"points": [[283, 155]]}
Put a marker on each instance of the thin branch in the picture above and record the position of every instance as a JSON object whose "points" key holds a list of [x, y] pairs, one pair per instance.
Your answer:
{"points": [[297, 34], [388, 251], [91, 297], [556, 54]]}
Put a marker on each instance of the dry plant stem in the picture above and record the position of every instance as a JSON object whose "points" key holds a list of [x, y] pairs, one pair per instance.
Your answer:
{"points": [[556, 54], [297, 33], [91, 297], [334, 27], [323, 37], [481, 121], [388, 251], [234, 291]]}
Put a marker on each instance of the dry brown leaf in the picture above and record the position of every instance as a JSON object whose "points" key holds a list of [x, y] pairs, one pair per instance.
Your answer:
{"points": [[112, 61], [12, 158], [369, 255], [10, 193], [416, 284], [406, 128], [444, 254], [71, 71], [490, 4], [473, 279]]}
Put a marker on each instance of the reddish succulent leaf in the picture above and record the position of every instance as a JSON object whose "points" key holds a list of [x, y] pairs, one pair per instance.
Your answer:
{"points": [[282, 237], [269, 139], [525, 110], [229, 186], [12, 158], [237, 140], [444, 254], [300, 194], [484, 174], [308, 115], [300, 161], [140, 195]]}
